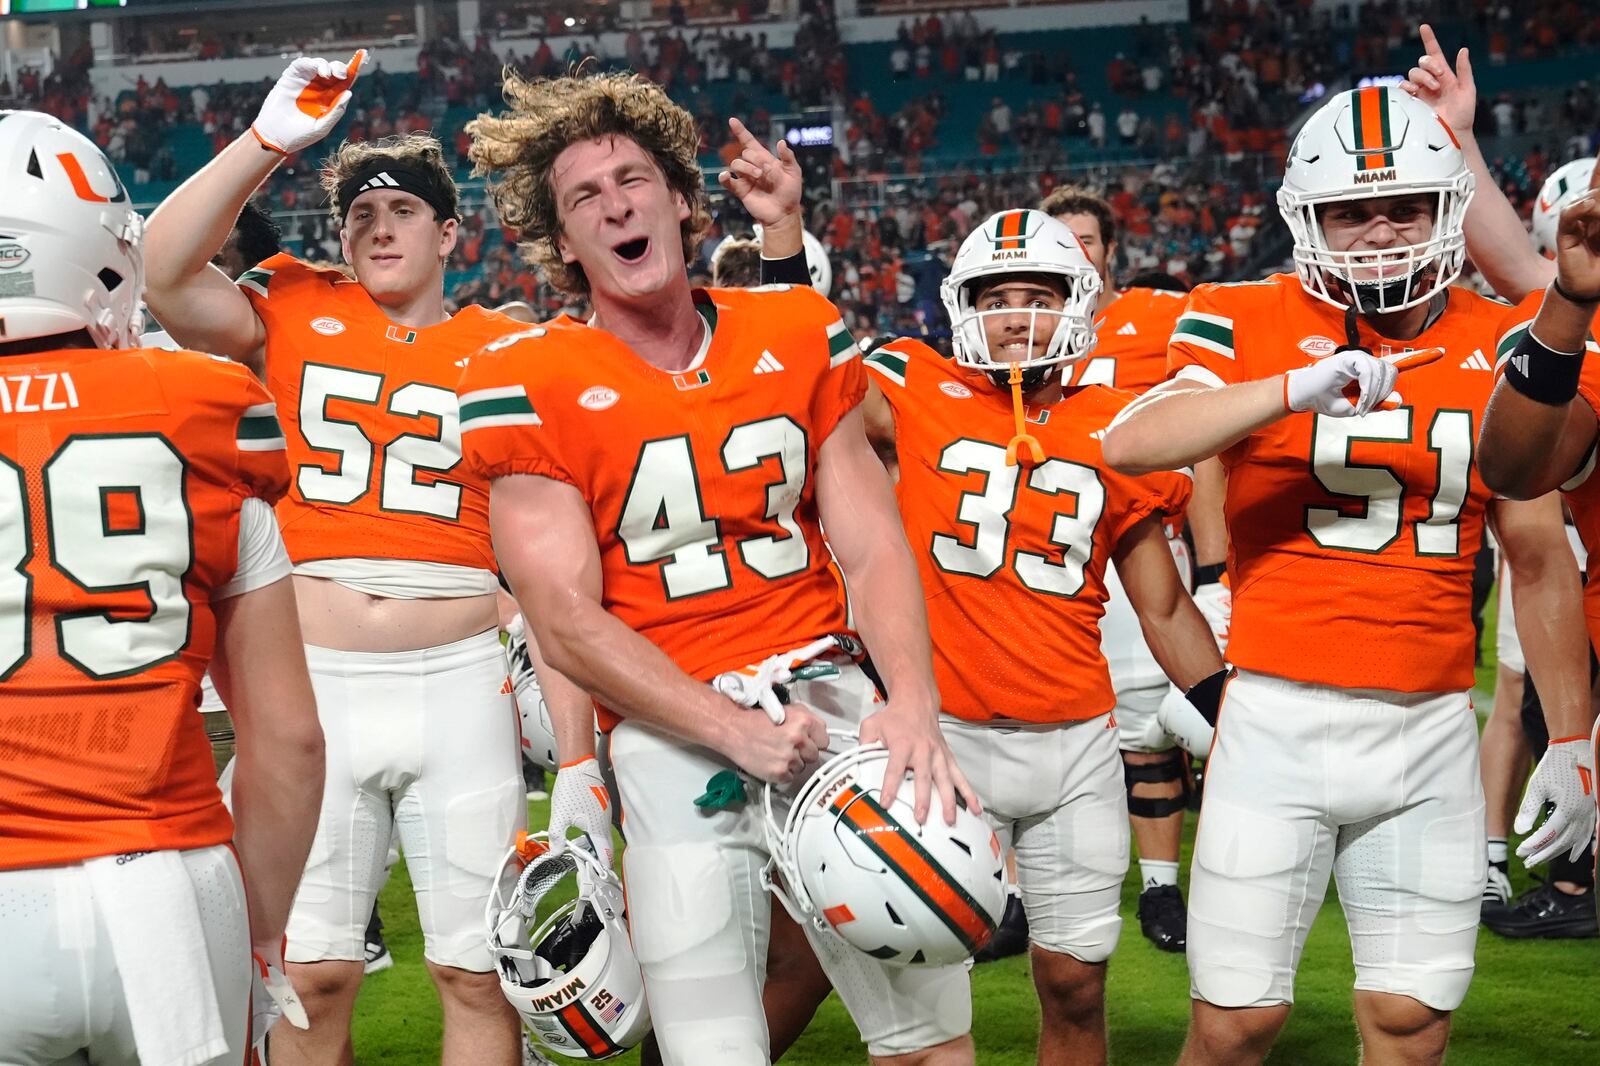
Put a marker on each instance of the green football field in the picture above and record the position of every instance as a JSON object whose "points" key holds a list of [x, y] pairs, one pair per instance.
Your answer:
{"points": [[1531, 1001]]}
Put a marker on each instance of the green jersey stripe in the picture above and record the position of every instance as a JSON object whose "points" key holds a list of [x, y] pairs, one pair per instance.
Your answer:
{"points": [[1508, 343], [889, 364]]}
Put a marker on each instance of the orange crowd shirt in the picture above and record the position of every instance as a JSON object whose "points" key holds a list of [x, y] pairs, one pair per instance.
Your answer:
{"points": [[122, 474], [701, 482], [369, 411], [1012, 559], [1351, 539]]}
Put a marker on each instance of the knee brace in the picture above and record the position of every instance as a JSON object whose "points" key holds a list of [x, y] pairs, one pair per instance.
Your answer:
{"points": [[1171, 768]]}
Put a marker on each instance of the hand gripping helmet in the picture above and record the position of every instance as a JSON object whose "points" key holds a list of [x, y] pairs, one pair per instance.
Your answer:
{"points": [[1021, 242], [898, 891], [538, 733], [572, 976], [1560, 189], [1364, 144], [70, 255]]}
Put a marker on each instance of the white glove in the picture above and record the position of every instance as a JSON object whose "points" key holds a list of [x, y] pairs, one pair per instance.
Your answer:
{"points": [[580, 801], [1215, 601], [1323, 385], [272, 997], [751, 686], [1564, 778], [306, 103]]}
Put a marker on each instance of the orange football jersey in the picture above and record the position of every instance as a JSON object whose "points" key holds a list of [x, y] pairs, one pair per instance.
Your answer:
{"points": [[369, 411], [1351, 539], [121, 478], [700, 482], [1582, 492], [1130, 348], [1013, 559]]}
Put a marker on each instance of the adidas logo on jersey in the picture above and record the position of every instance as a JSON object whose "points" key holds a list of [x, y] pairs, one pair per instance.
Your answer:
{"points": [[768, 364], [1476, 361], [1127, 330]]}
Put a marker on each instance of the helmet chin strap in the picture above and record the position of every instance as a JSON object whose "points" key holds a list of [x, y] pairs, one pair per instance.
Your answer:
{"points": [[1022, 439]]}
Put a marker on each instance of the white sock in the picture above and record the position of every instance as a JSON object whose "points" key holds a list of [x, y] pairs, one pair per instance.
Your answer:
{"points": [[1497, 850], [1155, 873]]}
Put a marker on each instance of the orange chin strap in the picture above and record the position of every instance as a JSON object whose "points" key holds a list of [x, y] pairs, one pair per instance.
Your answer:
{"points": [[1023, 438]]}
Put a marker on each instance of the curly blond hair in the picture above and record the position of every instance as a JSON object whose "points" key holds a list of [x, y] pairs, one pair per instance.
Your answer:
{"points": [[420, 150], [517, 149]]}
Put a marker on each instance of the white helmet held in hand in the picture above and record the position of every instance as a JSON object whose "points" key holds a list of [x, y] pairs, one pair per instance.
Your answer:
{"points": [[572, 975], [930, 894], [1560, 189], [70, 255], [1021, 243], [1361, 145]]}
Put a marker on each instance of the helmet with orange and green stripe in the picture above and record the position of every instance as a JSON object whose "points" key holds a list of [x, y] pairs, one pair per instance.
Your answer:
{"points": [[866, 872], [1386, 153]]}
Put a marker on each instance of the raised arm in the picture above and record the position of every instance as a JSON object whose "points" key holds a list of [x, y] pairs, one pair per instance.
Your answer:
{"points": [[1537, 431], [1497, 241], [193, 300]]}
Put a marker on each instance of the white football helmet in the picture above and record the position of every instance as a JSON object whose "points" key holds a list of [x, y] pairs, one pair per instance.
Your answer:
{"points": [[1021, 242], [816, 259], [1364, 144], [70, 254], [1560, 189], [898, 891], [538, 734], [571, 975]]}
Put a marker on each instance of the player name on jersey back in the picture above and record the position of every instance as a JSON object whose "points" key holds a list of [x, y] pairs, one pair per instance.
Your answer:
{"points": [[122, 475]]}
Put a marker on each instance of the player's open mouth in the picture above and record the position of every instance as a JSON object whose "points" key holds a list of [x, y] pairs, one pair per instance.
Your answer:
{"points": [[632, 251]]}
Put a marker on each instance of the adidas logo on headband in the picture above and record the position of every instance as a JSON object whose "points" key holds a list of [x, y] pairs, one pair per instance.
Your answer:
{"points": [[381, 180]]}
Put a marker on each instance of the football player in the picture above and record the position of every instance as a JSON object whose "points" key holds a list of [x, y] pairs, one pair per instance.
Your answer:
{"points": [[1347, 740], [136, 524], [1539, 433], [1014, 549], [1157, 727], [660, 479], [389, 536]]}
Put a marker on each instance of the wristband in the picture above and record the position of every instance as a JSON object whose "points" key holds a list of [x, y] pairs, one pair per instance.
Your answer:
{"points": [[1207, 696], [790, 270], [1571, 298], [1542, 375], [1209, 575]]}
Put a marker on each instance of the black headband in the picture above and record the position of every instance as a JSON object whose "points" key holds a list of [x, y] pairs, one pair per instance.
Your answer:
{"points": [[392, 174]]}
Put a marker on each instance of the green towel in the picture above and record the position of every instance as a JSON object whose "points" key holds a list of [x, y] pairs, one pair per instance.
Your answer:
{"points": [[725, 789]]}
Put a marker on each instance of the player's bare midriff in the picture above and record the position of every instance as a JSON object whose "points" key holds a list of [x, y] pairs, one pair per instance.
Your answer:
{"points": [[333, 616]]}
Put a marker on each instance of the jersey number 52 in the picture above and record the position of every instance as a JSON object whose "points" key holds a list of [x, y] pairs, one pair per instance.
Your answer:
{"points": [[408, 453]]}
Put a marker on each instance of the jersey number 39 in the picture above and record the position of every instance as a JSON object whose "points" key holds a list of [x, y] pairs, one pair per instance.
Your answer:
{"points": [[147, 549]]}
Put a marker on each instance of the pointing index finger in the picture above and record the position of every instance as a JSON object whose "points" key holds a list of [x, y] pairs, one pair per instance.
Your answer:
{"points": [[1411, 360], [1430, 42]]}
